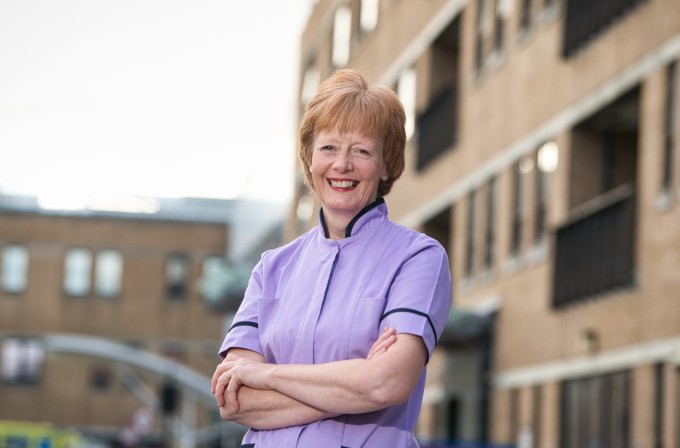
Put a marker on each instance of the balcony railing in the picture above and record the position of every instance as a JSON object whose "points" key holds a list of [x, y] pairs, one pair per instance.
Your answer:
{"points": [[586, 18], [594, 251], [437, 128]]}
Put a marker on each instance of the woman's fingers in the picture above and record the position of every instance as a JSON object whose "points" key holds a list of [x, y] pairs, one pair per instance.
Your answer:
{"points": [[232, 393], [384, 341], [220, 387]]}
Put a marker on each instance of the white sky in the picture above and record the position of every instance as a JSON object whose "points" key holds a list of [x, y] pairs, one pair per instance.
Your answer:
{"points": [[162, 98]]}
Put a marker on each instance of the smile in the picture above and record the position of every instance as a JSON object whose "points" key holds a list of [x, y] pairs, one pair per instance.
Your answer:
{"points": [[342, 183]]}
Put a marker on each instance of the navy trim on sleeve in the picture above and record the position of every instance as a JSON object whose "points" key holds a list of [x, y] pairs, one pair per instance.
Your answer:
{"points": [[419, 313], [242, 324]]}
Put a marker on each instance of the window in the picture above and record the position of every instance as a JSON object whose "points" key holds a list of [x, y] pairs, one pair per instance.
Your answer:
{"points": [[368, 15], [546, 164], [514, 414], [176, 273], [479, 37], [470, 242], [596, 411], [502, 12], [108, 273], [537, 412], [406, 89], [520, 168], [669, 127], [78, 272], [100, 378], [489, 235], [342, 33], [659, 403], [525, 16], [14, 265], [21, 360]]}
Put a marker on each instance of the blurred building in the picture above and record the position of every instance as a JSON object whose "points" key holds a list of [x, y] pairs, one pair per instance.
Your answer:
{"points": [[544, 155], [111, 317]]}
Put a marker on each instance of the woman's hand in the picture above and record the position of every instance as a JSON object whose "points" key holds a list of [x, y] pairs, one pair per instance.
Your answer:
{"points": [[386, 339]]}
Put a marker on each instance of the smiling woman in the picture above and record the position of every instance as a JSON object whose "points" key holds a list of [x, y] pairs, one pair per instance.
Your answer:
{"points": [[330, 343]]}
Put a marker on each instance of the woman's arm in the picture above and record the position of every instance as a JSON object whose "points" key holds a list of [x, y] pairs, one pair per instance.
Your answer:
{"points": [[341, 387], [270, 409]]}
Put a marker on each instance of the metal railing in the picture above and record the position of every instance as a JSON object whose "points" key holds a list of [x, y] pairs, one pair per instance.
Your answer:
{"points": [[437, 127], [586, 18], [594, 250]]}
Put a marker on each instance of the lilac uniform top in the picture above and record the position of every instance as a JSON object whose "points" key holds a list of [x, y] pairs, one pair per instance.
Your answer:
{"points": [[318, 300]]}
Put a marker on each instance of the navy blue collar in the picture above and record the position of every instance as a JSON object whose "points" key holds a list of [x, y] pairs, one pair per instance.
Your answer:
{"points": [[350, 226]]}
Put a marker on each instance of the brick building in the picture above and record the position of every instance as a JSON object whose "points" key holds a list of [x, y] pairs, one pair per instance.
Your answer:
{"points": [[544, 154], [133, 279]]}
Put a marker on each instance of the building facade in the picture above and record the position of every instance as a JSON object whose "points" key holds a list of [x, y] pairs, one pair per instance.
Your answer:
{"points": [[543, 154], [134, 282]]}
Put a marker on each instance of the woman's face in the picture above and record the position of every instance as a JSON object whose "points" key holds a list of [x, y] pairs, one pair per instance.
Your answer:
{"points": [[346, 170]]}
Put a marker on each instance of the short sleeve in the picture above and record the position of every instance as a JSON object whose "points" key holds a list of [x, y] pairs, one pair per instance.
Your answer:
{"points": [[244, 331], [419, 299]]}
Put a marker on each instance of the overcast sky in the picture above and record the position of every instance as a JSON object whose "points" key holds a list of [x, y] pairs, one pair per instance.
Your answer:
{"points": [[149, 97]]}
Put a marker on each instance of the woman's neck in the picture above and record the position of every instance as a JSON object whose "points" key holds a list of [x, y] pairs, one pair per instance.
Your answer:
{"points": [[336, 224]]}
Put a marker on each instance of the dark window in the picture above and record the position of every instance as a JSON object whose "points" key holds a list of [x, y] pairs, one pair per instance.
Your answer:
{"points": [[514, 414], [100, 379], [659, 404], [176, 276], [669, 127], [489, 234], [479, 37], [587, 18], [437, 128], [595, 411], [525, 16], [517, 192], [541, 204], [499, 26], [595, 252], [537, 412], [470, 242]]}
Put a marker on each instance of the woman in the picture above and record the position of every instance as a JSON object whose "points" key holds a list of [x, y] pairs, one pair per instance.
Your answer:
{"points": [[329, 346]]}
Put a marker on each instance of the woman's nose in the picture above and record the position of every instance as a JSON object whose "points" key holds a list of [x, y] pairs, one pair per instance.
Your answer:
{"points": [[343, 161]]}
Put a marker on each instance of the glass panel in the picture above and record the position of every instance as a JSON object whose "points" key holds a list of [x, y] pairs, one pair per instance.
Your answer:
{"points": [[176, 271], [14, 268], [109, 273], [406, 89], [368, 17], [77, 272], [342, 33], [21, 361]]}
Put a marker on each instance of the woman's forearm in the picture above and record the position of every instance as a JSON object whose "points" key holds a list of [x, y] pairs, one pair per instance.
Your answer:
{"points": [[342, 387], [269, 409]]}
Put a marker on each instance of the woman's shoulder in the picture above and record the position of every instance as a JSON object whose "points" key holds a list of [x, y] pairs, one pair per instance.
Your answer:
{"points": [[285, 251], [415, 239]]}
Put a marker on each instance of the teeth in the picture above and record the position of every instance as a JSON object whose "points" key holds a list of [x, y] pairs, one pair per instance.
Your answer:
{"points": [[343, 183]]}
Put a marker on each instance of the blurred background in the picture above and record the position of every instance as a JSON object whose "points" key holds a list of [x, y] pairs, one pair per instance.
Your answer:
{"points": [[147, 158]]}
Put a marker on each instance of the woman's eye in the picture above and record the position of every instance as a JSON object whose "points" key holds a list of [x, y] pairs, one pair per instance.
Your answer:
{"points": [[327, 148]]}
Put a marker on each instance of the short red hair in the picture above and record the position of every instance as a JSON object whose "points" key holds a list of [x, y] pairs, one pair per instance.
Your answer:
{"points": [[347, 101]]}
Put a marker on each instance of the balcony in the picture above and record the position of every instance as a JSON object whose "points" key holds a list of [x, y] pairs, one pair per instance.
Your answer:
{"points": [[437, 128], [595, 249], [586, 18]]}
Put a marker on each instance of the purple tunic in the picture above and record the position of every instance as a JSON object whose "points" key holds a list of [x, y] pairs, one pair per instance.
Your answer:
{"points": [[318, 300]]}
